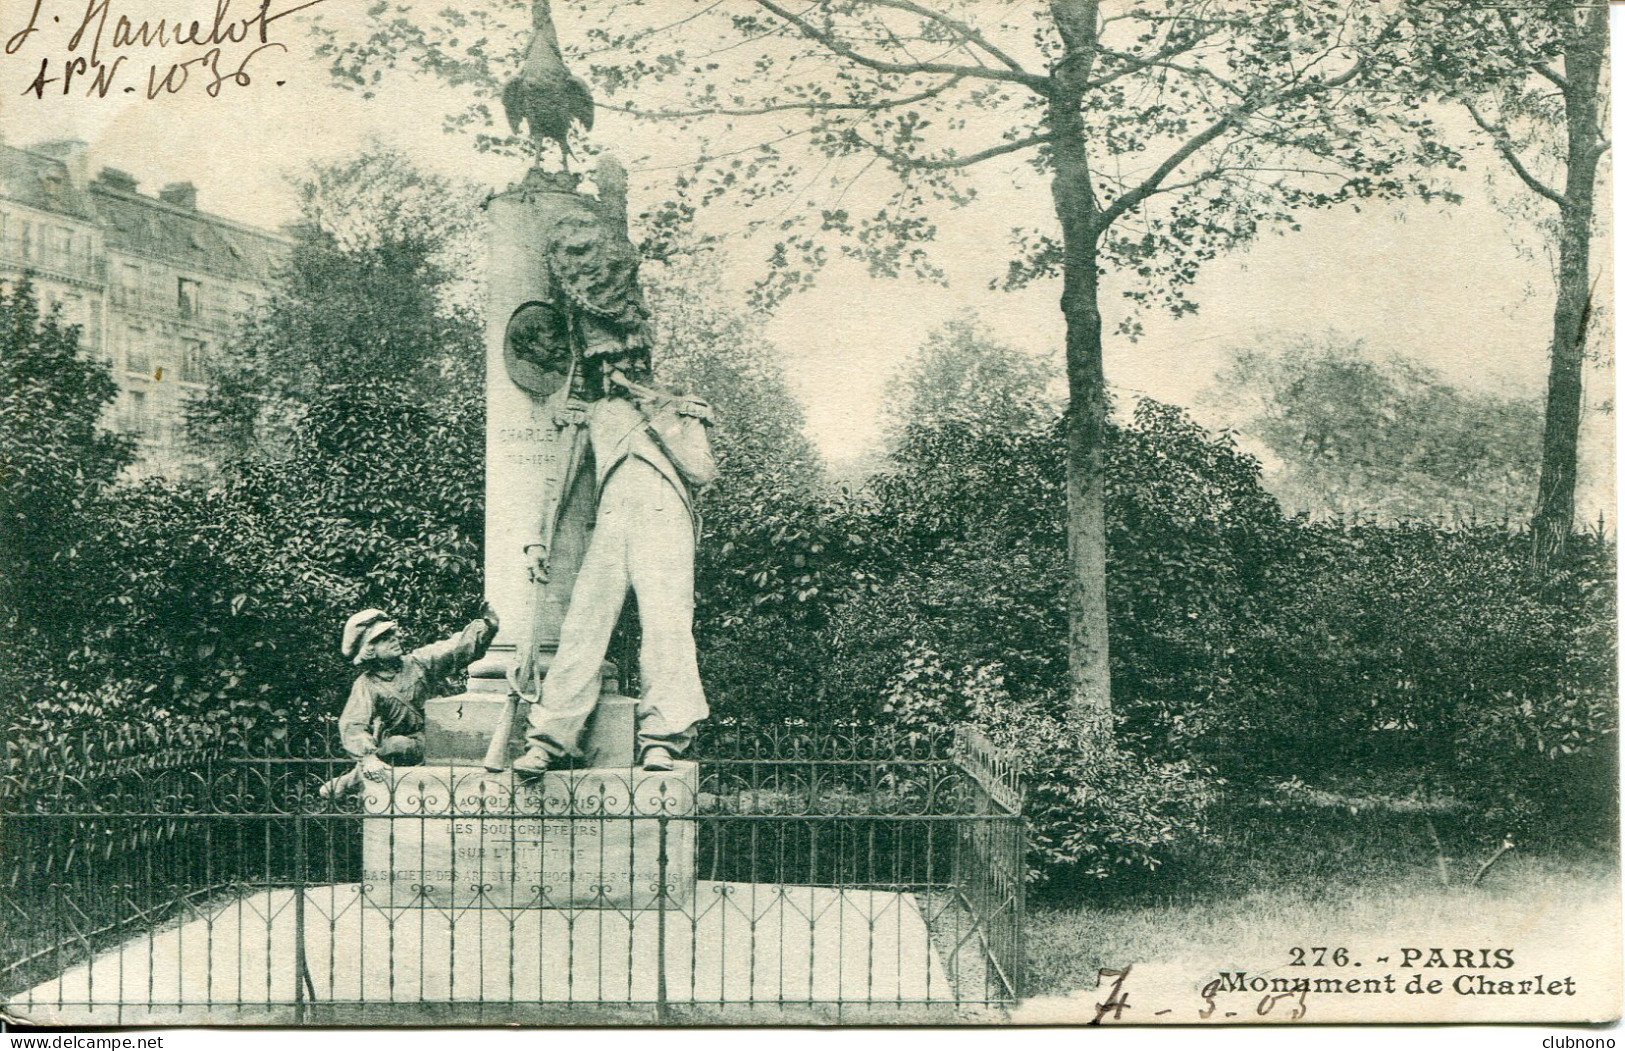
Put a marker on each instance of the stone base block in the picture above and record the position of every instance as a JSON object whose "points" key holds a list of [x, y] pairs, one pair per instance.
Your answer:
{"points": [[457, 730], [459, 837]]}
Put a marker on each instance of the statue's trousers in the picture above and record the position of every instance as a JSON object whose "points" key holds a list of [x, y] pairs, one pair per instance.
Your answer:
{"points": [[643, 541]]}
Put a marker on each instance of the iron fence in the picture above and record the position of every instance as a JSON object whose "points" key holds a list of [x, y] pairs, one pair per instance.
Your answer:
{"points": [[788, 870]]}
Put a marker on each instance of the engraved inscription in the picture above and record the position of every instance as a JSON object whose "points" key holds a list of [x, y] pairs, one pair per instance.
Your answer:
{"points": [[543, 459], [527, 434], [531, 855]]}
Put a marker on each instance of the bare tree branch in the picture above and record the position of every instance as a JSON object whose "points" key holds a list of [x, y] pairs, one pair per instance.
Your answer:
{"points": [[834, 44], [786, 107], [1231, 119], [1516, 40], [966, 31], [1207, 176], [1159, 59], [1503, 143], [1245, 171], [901, 160], [709, 158], [646, 33]]}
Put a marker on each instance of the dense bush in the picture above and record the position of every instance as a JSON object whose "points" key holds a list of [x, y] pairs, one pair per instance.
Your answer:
{"points": [[775, 567], [973, 521], [350, 424], [1440, 650], [350, 420], [225, 602], [220, 606], [56, 462], [1400, 646], [1093, 810], [968, 622]]}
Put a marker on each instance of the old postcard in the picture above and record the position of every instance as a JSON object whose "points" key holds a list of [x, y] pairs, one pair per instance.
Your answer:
{"points": [[782, 512]]}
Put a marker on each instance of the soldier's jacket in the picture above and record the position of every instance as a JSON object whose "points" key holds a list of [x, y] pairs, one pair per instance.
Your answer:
{"points": [[620, 430]]}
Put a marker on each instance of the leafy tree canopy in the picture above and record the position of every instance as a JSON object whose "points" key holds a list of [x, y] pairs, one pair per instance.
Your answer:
{"points": [[58, 458], [1530, 75], [1224, 117], [962, 372], [1168, 132], [372, 299], [1356, 432]]}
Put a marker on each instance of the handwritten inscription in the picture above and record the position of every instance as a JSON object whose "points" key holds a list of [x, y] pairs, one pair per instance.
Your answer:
{"points": [[99, 47]]}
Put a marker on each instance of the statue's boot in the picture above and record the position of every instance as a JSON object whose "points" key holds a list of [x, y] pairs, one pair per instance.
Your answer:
{"points": [[534, 763]]}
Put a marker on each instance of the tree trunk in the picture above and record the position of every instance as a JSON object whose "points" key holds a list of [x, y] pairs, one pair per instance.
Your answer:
{"points": [[1554, 502], [1088, 647], [1088, 652]]}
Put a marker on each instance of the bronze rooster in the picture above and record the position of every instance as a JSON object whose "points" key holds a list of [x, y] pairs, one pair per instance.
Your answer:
{"points": [[545, 94]]}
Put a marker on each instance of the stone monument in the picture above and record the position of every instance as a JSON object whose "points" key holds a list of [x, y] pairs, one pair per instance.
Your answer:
{"points": [[462, 830]]}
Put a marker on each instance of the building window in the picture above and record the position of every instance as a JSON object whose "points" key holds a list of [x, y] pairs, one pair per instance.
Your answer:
{"points": [[138, 420], [127, 285], [194, 361], [137, 355], [188, 297]]}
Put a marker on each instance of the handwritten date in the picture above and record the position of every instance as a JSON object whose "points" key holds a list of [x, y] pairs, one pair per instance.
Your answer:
{"points": [[101, 38]]}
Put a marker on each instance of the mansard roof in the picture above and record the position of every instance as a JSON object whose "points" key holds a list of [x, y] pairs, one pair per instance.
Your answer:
{"points": [[184, 237], [41, 181], [136, 224]]}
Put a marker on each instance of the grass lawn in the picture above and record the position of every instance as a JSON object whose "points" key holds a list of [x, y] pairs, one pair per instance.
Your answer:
{"points": [[1367, 879]]}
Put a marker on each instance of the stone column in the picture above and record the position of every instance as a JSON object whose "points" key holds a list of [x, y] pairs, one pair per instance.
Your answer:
{"points": [[523, 447]]}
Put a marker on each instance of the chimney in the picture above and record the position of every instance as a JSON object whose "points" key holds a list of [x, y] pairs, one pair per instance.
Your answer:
{"points": [[180, 194], [116, 179], [74, 155]]}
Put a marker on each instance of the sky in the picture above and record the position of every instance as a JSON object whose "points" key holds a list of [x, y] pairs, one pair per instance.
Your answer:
{"points": [[1445, 284]]}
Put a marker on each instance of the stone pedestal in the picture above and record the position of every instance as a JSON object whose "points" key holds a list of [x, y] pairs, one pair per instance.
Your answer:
{"points": [[459, 837]]}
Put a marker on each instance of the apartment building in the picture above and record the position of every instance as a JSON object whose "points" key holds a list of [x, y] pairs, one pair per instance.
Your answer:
{"points": [[156, 284]]}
